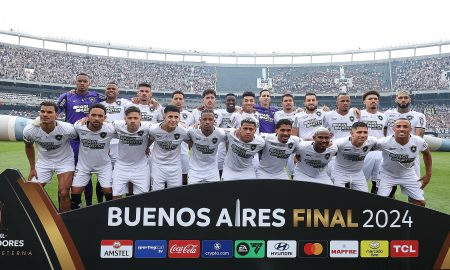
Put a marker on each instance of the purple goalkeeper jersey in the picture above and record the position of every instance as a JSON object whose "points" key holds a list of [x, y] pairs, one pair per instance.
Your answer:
{"points": [[266, 118], [77, 106]]}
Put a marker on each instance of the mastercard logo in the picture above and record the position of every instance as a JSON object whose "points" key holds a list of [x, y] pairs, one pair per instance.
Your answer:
{"points": [[313, 249]]}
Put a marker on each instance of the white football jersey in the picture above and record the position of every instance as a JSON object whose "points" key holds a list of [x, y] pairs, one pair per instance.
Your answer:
{"points": [[229, 120], [417, 120], [167, 149], [399, 160], [240, 155], [311, 163], [132, 146], [217, 116], [52, 147], [238, 117], [150, 114], [308, 122], [375, 122], [94, 146], [116, 110], [283, 115], [339, 125], [275, 154], [204, 149], [186, 118], [349, 158]]}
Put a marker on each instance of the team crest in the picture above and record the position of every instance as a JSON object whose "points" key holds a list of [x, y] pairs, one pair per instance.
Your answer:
{"points": [[352, 118], [214, 140], [318, 113], [92, 99], [413, 149], [176, 136], [103, 135], [409, 117], [327, 156], [380, 117], [140, 133], [118, 102], [58, 137], [365, 148], [253, 147], [290, 145], [184, 116], [216, 115]]}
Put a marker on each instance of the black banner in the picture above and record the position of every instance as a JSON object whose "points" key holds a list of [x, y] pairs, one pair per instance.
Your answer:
{"points": [[251, 224]]}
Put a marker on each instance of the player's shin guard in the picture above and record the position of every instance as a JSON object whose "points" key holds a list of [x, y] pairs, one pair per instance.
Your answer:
{"points": [[76, 201], [99, 192], [108, 196], [88, 193]]}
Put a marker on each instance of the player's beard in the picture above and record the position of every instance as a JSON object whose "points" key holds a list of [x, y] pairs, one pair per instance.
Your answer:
{"points": [[403, 106], [311, 108]]}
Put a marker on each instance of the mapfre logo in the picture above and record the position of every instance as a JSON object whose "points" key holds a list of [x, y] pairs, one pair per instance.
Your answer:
{"points": [[404, 248], [116, 249], [344, 249], [184, 249]]}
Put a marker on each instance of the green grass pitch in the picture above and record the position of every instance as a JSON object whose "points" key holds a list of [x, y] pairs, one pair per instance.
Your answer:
{"points": [[12, 155]]}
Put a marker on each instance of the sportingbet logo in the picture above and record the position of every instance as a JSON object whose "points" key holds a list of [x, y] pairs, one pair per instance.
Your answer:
{"points": [[217, 249], [374, 249], [184, 248], [116, 249], [404, 248], [150, 248], [344, 249], [249, 249], [281, 249]]}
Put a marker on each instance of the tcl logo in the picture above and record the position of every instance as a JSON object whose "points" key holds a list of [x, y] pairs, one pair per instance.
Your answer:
{"points": [[404, 248], [184, 249]]}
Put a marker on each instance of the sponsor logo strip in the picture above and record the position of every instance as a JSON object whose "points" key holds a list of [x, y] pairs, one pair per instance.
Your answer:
{"points": [[344, 249], [313, 249], [281, 249], [116, 249], [217, 249], [374, 249], [179, 249], [249, 249], [150, 248]]}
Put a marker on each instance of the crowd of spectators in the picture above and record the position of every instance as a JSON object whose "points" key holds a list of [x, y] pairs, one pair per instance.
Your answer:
{"points": [[23, 63], [41, 65]]}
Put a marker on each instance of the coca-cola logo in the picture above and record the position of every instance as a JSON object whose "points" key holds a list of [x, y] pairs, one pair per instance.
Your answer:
{"points": [[184, 249]]}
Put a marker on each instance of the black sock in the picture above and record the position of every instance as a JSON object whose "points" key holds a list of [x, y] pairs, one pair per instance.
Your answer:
{"points": [[185, 179], [374, 189], [88, 193], [220, 174], [129, 194], [108, 196], [99, 192], [392, 194], [76, 201]]}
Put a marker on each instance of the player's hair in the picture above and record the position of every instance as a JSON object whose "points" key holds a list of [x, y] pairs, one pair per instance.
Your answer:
{"points": [[82, 74], [209, 91], [358, 125], [310, 94], [402, 92], [287, 95], [248, 94], [132, 109], [171, 108], [113, 83], [283, 122], [230, 95], [98, 106], [248, 120], [144, 84], [370, 93], [50, 104], [206, 111], [177, 92], [260, 92], [405, 119], [342, 94], [320, 129]]}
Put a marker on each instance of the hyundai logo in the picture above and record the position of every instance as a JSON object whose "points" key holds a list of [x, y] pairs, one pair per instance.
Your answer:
{"points": [[281, 246]]}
